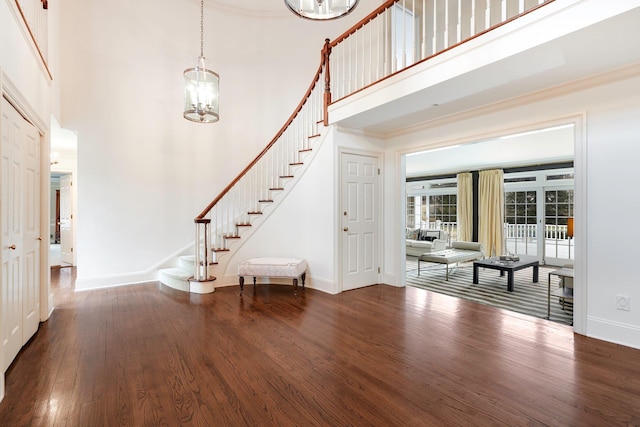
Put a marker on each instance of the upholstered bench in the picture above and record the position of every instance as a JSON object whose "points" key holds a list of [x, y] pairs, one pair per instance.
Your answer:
{"points": [[273, 267], [459, 252]]}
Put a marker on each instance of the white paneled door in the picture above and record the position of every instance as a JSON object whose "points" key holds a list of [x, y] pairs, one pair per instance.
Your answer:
{"points": [[31, 226], [20, 231], [66, 234], [360, 214]]}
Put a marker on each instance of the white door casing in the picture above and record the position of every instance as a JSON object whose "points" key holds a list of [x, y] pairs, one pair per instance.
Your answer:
{"points": [[360, 220], [66, 220]]}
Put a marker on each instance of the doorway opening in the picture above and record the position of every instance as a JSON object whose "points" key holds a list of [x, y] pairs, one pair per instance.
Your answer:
{"points": [[538, 209], [60, 217]]}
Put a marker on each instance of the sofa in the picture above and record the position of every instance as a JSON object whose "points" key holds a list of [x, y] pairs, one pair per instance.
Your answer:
{"points": [[420, 241]]}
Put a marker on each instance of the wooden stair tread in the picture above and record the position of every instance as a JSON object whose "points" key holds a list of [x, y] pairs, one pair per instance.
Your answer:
{"points": [[286, 176], [306, 150], [265, 201], [276, 189], [254, 213], [204, 280], [296, 164], [235, 236], [244, 224], [220, 250], [317, 135]]}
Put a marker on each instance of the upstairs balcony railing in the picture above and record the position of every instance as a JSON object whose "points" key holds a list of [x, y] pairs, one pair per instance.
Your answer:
{"points": [[402, 33], [392, 38], [34, 14]]}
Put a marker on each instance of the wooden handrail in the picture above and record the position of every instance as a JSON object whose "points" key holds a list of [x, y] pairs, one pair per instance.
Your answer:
{"points": [[364, 21], [273, 141]]}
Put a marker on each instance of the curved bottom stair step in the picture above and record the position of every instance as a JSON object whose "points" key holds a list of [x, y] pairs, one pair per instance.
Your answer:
{"points": [[182, 280], [176, 278]]}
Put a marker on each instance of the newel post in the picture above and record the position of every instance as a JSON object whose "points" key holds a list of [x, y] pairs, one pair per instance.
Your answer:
{"points": [[201, 257], [326, 52]]}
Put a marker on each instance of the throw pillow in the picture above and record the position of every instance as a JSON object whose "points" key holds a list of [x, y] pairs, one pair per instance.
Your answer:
{"points": [[433, 234], [412, 234]]}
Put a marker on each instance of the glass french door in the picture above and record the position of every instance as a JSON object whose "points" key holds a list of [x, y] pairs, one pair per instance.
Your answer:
{"points": [[536, 224], [521, 222], [558, 240]]}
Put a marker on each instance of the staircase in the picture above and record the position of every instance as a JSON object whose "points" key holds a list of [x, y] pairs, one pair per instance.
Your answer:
{"points": [[183, 276]]}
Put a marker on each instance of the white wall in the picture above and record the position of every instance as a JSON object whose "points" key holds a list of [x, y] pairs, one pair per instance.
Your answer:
{"points": [[145, 172], [606, 176]]}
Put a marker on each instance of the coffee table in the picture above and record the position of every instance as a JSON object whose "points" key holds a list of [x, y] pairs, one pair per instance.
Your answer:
{"points": [[509, 266]]}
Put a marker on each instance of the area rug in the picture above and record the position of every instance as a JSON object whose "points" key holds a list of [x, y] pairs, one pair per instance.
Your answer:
{"points": [[527, 298]]}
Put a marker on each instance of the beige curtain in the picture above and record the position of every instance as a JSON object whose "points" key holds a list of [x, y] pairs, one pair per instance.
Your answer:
{"points": [[465, 207], [491, 211]]}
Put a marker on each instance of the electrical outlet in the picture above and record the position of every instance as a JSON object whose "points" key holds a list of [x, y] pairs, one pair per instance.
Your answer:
{"points": [[623, 302]]}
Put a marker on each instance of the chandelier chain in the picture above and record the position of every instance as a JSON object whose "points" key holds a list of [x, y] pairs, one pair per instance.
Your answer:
{"points": [[201, 28]]}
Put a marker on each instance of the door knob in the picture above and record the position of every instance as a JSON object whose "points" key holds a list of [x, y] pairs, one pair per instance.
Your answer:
{"points": [[345, 229], [12, 247]]}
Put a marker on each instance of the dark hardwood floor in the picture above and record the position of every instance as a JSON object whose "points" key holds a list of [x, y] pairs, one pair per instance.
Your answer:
{"points": [[146, 355]]}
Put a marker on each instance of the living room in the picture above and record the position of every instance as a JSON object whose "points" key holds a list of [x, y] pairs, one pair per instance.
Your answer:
{"points": [[538, 206]]}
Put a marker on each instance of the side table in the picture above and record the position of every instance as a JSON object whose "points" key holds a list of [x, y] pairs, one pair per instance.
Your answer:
{"points": [[563, 292]]}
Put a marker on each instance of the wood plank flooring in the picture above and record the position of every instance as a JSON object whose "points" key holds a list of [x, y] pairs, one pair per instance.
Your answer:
{"points": [[146, 355]]}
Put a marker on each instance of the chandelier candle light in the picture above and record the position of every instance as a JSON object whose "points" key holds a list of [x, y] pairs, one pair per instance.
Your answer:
{"points": [[321, 9], [201, 86]]}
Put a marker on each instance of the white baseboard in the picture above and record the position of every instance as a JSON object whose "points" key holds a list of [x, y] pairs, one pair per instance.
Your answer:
{"points": [[615, 332], [110, 281]]}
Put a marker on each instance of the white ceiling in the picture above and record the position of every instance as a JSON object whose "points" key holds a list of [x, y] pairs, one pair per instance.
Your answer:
{"points": [[531, 148]]}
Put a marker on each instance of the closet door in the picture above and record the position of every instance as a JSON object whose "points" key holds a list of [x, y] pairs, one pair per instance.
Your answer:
{"points": [[12, 234], [31, 229], [20, 231]]}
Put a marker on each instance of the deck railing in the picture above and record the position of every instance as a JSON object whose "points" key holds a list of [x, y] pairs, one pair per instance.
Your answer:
{"points": [[392, 38], [520, 239]]}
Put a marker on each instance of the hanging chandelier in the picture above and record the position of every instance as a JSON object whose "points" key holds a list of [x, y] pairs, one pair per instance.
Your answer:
{"points": [[201, 86], [321, 9]]}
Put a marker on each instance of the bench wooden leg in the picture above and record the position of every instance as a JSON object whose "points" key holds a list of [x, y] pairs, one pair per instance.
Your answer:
{"points": [[304, 275], [295, 286], [241, 284]]}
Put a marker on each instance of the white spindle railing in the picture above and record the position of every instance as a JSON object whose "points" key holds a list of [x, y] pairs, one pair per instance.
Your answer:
{"points": [[404, 32], [35, 18]]}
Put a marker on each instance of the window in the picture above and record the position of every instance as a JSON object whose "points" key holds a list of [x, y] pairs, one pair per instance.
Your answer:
{"points": [[411, 211], [520, 207], [558, 207], [443, 207]]}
